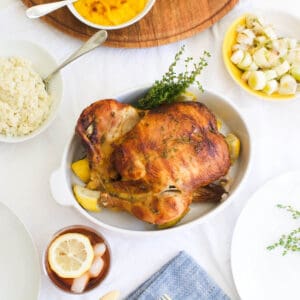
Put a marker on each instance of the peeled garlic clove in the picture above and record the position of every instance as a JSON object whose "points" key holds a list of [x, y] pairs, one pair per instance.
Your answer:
{"points": [[257, 80], [292, 43], [237, 56], [249, 33], [253, 21], [245, 37], [242, 47], [291, 56], [297, 56], [250, 36], [270, 33], [249, 20], [281, 46], [260, 40], [295, 72], [246, 76], [252, 67], [282, 68], [96, 266], [240, 28], [270, 74], [275, 45], [113, 295], [287, 85], [260, 57], [273, 58], [257, 28], [79, 284], [246, 61], [271, 87], [99, 249]]}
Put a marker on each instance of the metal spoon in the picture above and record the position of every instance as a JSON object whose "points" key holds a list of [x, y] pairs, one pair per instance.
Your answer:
{"points": [[44, 9], [93, 42]]}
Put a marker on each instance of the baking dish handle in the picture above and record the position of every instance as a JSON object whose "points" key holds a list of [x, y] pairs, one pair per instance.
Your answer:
{"points": [[59, 189]]}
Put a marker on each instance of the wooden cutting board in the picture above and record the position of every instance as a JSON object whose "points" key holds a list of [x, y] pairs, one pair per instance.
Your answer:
{"points": [[168, 21]]}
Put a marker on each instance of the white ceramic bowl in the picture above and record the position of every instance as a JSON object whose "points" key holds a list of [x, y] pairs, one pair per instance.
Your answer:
{"points": [[62, 179], [43, 63], [146, 9]]}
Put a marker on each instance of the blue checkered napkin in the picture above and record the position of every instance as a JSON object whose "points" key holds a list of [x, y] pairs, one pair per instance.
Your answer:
{"points": [[181, 279]]}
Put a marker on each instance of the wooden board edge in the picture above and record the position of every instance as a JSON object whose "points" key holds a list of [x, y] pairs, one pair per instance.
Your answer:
{"points": [[144, 44]]}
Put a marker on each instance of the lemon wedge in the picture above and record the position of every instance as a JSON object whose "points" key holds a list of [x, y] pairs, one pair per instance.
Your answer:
{"points": [[219, 124], [186, 96], [234, 145], [81, 169], [173, 222], [70, 255], [87, 198]]}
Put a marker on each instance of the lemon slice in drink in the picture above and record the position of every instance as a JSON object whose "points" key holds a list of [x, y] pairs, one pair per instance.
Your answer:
{"points": [[87, 198], [70, 255]]}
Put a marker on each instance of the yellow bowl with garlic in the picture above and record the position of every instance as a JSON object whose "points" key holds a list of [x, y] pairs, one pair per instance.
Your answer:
{"points": [[228, 49]]}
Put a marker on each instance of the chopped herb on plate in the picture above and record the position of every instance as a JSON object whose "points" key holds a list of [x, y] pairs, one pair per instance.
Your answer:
{"points": [[289, 242]]}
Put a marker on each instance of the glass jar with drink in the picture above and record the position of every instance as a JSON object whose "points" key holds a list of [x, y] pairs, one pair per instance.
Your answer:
{"points": [[77, 259]]}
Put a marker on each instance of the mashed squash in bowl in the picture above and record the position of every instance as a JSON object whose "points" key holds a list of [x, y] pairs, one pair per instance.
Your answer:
{"points": [[110, 14]]}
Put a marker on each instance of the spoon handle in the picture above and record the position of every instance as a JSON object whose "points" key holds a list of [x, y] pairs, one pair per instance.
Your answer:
{"points": [[44, 9], [93, 42]]}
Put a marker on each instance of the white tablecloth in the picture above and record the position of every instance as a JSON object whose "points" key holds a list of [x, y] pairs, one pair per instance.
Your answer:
{"points": [[25, 167]]}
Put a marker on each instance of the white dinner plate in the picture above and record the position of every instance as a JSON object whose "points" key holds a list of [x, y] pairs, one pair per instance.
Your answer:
{"points": [[259, 273], [19, 264]]}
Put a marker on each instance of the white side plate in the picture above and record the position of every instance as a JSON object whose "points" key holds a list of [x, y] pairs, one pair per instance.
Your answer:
{"points": [[259, 273], [19, 265]]}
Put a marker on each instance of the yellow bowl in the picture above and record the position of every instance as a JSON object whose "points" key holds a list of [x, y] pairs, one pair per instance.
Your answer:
{"points": [[234, 71]]}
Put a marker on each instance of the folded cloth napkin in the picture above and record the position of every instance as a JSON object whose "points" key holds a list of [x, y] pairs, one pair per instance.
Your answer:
{"points": [[181, 279]]}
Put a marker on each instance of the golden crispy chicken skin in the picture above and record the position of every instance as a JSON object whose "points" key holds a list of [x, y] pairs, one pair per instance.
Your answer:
{"points": [[153, 163], [99, 126]]}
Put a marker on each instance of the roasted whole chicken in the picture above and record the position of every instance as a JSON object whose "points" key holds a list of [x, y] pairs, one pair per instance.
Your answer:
{"points": [[153, 163]]}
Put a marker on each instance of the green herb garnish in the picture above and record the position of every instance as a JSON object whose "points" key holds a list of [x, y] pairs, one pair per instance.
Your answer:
{"points": [[172, 84], [290, 241], [295, 213]]}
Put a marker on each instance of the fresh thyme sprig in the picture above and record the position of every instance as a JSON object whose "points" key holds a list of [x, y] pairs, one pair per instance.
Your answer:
{"points": [[172, 84], [290, 241]]}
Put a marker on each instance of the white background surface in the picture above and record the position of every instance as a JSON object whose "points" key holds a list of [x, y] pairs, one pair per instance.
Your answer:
{"points": [[25, 168]]}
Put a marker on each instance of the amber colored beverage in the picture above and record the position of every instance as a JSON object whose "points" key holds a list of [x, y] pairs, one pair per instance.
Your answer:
{"points": [[95, 238]]}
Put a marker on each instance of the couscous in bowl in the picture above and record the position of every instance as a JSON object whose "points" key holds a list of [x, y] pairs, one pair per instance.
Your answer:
{"points": [[25, 52]]}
